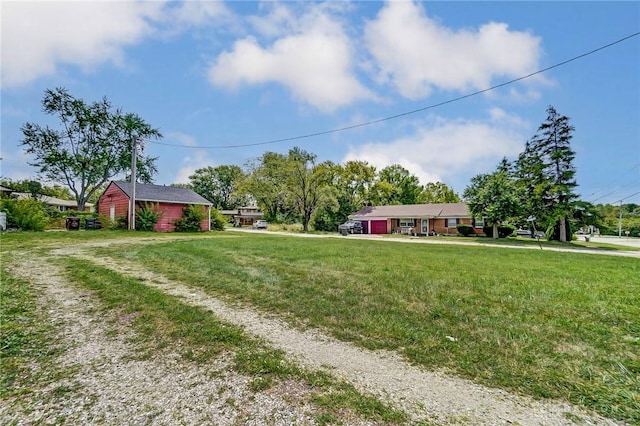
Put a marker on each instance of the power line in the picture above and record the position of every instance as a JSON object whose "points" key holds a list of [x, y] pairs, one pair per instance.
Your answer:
{"points": [[614, 191], [617, 176], [627, 197], [635, 182], [403, 114]]}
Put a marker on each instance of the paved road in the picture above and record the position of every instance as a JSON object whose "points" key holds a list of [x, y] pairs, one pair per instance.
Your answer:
{"points": [[422, 240], [623, 241]]}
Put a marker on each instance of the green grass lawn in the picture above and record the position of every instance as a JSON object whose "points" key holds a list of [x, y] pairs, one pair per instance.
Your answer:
{"points": [[542, 323]]}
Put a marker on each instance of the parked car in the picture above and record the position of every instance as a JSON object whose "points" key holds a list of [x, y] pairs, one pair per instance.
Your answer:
{"points": [[260, 224], [350, 227], [527, 233]]}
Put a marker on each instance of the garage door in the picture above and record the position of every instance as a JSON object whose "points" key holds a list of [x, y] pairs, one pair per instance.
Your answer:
{"points": [[378, 226]]}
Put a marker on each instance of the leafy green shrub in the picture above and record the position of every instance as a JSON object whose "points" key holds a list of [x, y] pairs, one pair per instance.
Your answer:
{"points": [[505, 231], [218, 220], [106, 222], [122, 222], [25, 214], [147, 216], [192, 217], [465, 230], [58, 219]]}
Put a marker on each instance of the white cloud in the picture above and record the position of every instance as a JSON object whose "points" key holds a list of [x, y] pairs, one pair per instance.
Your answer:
{"points": [[417, 55], [314, 61], [38, 37], [449, 151], [195, 159], [198, 13]]}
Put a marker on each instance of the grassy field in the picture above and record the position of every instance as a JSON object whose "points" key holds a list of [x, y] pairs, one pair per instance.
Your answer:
{"points": [[541, 323]]}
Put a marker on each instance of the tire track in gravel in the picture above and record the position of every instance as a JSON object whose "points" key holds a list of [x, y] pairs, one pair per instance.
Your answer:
{"points": [[425, 395], [112, 388]]}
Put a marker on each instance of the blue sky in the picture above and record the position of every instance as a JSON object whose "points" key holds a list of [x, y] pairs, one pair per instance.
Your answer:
{"points": [[215, 77]]}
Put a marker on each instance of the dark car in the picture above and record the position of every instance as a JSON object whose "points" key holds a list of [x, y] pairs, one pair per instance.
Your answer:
{"points": [[350, 227]]}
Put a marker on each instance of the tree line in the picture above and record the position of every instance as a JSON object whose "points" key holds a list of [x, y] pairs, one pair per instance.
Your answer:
{"points": [[295, 187], [94, 143]]}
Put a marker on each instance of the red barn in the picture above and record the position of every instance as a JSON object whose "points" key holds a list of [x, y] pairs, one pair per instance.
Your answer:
{"points": [[114, 203]]}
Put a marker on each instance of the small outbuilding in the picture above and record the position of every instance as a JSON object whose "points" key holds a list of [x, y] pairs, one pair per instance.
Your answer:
{"points": [[171, 201]]}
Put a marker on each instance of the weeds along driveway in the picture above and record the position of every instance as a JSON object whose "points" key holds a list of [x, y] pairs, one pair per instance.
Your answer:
{"points": [[163, 389]]}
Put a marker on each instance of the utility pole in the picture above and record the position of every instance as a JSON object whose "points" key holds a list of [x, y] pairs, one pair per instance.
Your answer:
{"points": [[132, 200], [620, 221]]}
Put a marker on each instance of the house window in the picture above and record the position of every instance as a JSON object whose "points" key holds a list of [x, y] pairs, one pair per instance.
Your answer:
{"points": [[406, 223], [478, 223], [451, 223], [425, 226]]}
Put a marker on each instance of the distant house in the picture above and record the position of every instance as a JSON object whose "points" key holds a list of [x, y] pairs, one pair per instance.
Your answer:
{"points": [[6, 191], [419, 219], [114, 203], [243, 215], [53, 202]]}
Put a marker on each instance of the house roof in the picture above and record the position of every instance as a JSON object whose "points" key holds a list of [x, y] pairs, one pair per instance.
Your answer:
{"points": [[250, 211], [413, 211], [161, 193], [52, 201]]}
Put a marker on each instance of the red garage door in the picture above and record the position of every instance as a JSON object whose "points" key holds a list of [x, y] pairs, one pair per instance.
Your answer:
{"points": [[378, 226]]}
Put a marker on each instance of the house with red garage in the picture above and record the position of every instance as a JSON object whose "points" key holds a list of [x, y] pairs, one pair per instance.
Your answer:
{"points": [[171, 201], [417, 219]]}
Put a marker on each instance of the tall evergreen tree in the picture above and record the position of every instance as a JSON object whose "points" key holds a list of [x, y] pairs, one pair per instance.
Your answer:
{"points": [[546, 172]]}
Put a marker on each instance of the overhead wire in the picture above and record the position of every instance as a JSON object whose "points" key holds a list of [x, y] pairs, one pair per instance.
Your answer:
{"points": [[404, 114], [635, 182], [627, 197]]}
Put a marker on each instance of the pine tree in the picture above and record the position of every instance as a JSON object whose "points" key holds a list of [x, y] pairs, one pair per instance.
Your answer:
{"points": [[546, 173]]}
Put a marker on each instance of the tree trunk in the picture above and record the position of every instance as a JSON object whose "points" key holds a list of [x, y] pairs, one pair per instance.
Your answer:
{"points": [[563, 230], [495, 230]]}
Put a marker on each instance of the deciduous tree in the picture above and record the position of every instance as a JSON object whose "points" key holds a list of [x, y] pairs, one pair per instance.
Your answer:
{"points": [[92, 145], [406, 187], [494, 197], [219, 185], [307, 184], [437, 192], [266, 182]]}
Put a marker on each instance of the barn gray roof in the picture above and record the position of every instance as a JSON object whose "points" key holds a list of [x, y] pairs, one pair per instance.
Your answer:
{"points": [[453, 210], [161, 193]]}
